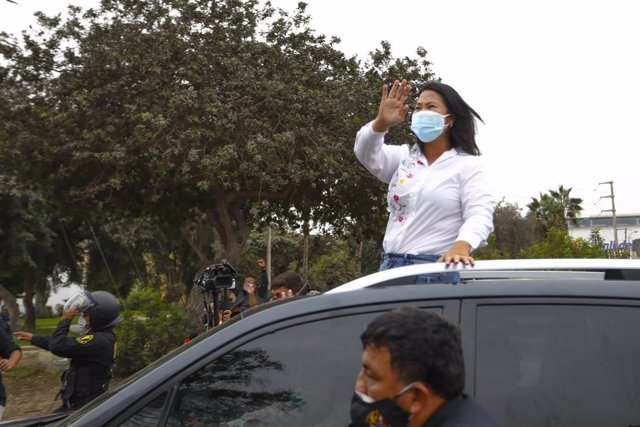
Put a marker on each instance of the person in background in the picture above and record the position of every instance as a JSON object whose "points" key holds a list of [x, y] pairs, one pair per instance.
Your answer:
{"points": [[4, 314], [250, 294], [286, 285], [413, 374], [92, 354], [439, 198], [10, 355]]}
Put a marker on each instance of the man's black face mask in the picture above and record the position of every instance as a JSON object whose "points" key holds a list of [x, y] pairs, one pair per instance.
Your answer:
{"points": [[366, 412]]}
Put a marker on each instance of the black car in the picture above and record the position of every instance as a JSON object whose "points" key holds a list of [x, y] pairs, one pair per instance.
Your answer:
{"points": [[546, 343]]}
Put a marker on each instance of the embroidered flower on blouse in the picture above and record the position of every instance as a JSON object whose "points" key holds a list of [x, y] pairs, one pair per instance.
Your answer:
{"points": [[398, 207]]}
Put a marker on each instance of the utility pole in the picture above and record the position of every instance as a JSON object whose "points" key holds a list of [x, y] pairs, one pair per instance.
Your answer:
{"points": [[268, 261], [613, 212]]}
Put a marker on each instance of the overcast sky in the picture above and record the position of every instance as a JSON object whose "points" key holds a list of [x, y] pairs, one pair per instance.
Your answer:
{"points": [[557, 82]]}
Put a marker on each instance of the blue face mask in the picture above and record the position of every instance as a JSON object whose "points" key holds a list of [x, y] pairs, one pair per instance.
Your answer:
{"points": [[427, 125]]}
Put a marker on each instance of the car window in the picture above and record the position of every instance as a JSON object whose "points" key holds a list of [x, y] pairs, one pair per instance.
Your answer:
{"points": [[303, 375], [562, 365], [149, 415]]}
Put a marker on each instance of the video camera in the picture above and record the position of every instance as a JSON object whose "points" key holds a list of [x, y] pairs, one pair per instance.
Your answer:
{"points": [[215, 282], [216, 276]]}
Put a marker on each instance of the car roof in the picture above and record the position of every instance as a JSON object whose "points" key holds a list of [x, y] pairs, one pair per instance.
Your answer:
{"points": [[569, 269]]}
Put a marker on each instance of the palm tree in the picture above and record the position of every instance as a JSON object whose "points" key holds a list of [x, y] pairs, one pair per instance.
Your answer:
{"points": [[555, 208], [571, 206], [546, 211]]}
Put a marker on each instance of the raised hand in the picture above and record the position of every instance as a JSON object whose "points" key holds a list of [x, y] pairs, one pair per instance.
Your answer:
{"points": [[392, 106]]}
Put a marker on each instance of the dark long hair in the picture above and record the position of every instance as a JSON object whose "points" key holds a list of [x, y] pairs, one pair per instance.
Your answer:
{"points": [[462, 134]]}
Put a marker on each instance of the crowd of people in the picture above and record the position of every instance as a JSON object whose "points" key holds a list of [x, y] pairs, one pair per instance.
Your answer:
{"points": [[251, 294]]}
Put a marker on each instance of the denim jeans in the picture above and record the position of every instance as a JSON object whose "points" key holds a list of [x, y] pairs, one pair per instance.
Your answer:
{"points": [[390, 261]]}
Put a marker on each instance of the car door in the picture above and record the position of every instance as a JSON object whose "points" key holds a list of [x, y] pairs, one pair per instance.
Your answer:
{"points": [[299, 372], [554, 361]]}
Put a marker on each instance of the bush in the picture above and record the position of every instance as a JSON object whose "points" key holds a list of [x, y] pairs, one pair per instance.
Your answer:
{"points": [[150, 331], [57, 312], [44, 312]]}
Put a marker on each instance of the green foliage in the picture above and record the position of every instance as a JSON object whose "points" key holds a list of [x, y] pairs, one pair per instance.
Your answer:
{"points": [[512, 232], [144, 140], [143, 298], [149, 332], [58, 309], [134, 115], [334, 268], [45, 311], [491, 251], [558, 244], [555, 208]]}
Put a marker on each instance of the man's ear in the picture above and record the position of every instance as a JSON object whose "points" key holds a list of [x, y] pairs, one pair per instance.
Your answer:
{"points": [[422, 398]]}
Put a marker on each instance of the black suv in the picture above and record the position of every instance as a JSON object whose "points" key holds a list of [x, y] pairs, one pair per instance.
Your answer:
{"points": [[546, 343]]}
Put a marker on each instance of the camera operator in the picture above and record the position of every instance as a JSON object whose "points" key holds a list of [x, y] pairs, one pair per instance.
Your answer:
{"points": [[216, 283]]}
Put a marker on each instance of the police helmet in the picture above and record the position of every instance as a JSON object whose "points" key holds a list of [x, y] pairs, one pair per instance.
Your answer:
{"points": [[105, 312]]}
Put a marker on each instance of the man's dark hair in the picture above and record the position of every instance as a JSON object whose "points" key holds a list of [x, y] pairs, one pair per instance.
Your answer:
{"points": [[423, 347], [288, 279]]}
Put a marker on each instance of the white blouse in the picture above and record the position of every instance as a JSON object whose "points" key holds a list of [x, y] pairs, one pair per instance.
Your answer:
{"points": [[430, 206]]}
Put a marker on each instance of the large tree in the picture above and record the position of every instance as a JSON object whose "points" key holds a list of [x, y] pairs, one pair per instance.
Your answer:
{"points": [[513, 231], [169, 109], [28, 253], [169, 105]]}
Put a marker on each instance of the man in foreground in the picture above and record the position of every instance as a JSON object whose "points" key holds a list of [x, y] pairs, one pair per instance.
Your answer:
{"points": [[413, 374]]}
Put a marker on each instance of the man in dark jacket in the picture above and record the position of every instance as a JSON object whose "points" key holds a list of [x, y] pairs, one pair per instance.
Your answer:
{"points": [[413, 374], [91, 353], [10, 355]]}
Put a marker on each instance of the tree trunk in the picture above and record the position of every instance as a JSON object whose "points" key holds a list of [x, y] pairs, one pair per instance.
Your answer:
{"points": [[9, 300], [230, 225], [29, 292]]}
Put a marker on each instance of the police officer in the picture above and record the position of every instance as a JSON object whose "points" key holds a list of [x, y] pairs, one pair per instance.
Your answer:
{"points": [[10, 354], [91, 354]]}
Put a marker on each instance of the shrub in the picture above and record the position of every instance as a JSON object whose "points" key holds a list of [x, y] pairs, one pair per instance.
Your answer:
{"points": [[44, 312], [57, 312], [150, 331]]}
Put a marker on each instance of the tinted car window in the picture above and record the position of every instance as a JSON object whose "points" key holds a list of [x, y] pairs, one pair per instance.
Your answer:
{"points": [[302, 375], [149, 415], [559, 365]]}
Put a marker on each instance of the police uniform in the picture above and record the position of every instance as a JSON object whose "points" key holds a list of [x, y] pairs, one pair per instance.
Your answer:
{"points": [[7, 346], [91, 362]]}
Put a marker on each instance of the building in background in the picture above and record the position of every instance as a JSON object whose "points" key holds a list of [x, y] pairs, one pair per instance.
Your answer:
{"points": [[627, 227]]}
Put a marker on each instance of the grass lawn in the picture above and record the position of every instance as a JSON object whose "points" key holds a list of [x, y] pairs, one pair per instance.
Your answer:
{"points": [[45, 326]]}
